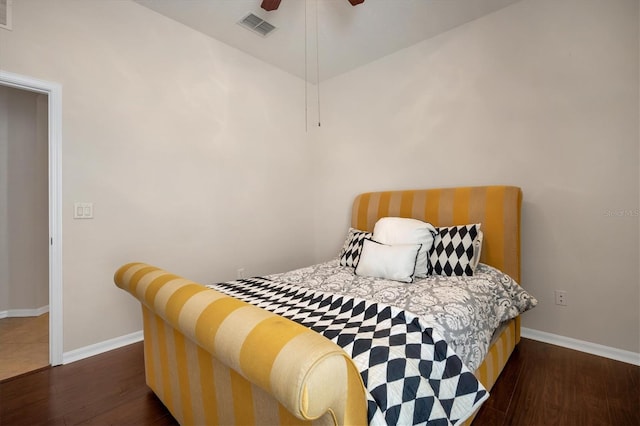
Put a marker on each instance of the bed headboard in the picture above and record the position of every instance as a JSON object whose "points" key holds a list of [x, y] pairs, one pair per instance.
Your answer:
{"points": [[497, 208]]}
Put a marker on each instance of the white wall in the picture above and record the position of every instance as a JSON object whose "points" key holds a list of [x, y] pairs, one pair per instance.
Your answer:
{"points": [[193, 153], [24, 276], [542, 94]]}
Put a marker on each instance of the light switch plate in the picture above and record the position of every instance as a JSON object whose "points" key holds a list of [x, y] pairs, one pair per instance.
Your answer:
{"points": [[82, 210]]}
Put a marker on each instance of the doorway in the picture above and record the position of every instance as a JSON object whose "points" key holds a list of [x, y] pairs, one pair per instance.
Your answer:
{"points": [[49, 102], [24, 264]]}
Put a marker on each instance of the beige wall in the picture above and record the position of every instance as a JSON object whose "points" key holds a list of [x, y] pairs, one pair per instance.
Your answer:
{"points": [[542, 94], [23, 195], [193, 153]]}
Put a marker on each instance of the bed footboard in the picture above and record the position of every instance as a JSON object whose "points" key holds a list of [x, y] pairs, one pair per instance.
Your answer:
{"points": [[213, 359]]}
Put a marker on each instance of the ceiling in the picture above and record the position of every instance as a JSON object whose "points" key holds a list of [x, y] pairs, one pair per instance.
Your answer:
{"points": [[347, 36]]}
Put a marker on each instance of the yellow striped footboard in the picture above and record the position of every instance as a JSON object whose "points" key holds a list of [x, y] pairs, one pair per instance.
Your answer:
{"points": [[213, 359]]}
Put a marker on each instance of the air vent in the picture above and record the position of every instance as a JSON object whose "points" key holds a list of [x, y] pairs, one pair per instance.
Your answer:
{"points": [[257, 24]]}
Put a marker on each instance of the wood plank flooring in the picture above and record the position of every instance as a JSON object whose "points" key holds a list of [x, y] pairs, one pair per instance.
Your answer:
{"points": [[24, 344], [544, 384], [541, 385], [104, 389]]}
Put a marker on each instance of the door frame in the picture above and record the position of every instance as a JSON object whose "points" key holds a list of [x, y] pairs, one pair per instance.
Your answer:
{"points": [[54, 93]]}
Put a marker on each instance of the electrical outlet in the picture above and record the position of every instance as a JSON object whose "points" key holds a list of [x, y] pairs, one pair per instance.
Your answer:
{"points": [[240, 273], [561, 297]]}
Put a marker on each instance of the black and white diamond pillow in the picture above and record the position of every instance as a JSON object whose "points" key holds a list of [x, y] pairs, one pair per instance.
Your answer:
{"points": [[452, 250], [350, 253]]}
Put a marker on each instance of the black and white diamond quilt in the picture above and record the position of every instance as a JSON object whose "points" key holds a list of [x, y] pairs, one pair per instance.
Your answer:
{"points": [[411, 374]]}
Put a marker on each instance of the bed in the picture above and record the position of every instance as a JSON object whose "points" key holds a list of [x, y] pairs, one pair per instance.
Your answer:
{"points": [[230, 355]]}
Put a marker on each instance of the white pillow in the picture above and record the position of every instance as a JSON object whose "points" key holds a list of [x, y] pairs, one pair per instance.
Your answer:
{"points": [[397, 262], [401, 230]]}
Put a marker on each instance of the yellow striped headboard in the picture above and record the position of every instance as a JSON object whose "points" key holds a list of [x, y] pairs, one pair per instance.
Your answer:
{"points": [[497, 208]]}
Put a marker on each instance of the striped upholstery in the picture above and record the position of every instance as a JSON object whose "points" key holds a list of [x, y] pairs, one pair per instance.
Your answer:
{"points": [[497, 208], [496, 359], [213, 359]]}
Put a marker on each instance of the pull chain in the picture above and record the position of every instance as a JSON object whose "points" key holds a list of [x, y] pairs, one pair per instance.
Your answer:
{"points": [[318, 63], [306, 97]]}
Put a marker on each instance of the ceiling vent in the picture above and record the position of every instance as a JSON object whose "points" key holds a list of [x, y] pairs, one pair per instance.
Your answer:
{"points": [[257, 24]]}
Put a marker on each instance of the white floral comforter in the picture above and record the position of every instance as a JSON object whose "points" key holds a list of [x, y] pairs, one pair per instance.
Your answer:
{"points": [[465, 310]]}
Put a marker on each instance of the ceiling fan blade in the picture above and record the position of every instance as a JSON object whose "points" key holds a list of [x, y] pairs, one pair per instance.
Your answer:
{"points": [[270, 5]]}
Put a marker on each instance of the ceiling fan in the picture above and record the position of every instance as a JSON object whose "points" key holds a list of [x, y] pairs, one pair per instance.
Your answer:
{"points": [[270, 5]]}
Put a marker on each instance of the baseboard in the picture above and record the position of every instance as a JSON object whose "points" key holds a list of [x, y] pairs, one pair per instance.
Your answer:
{"points": [[542, 336], [98, 348], [18, 313], [582, 346]]}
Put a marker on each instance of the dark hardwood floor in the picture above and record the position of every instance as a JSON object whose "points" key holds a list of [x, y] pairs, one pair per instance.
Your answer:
{"points": [[107, 389], [544, 384], [541, 385]]}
